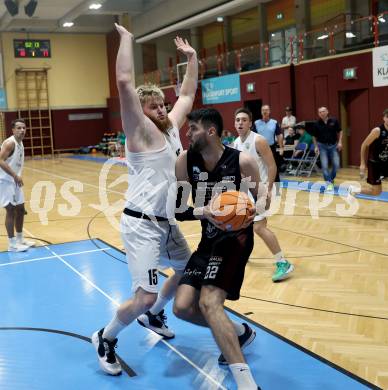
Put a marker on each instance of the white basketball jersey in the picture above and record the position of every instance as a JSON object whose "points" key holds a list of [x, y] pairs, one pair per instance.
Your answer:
{"points": [[15, 161], [249, 146], [152, 181]]}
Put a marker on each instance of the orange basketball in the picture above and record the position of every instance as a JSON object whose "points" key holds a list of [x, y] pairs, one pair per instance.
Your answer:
{"points": [[230, 208]]}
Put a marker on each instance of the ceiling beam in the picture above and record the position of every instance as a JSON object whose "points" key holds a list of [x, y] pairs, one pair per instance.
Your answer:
{"points": [[201, 18]]}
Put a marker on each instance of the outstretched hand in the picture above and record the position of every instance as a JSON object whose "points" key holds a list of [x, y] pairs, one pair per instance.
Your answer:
{"points": [[122, 31], [184, 47]]}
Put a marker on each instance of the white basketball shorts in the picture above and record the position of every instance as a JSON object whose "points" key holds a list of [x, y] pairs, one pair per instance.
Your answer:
{"points": [[150, 246]]}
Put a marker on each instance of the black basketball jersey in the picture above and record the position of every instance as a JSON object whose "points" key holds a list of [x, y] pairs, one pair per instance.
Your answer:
{"points": [[378, 150], [226, 176]]}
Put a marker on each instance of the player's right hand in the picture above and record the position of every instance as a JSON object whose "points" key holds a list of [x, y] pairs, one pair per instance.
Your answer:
{"points": [[19, 181], [184, 47]]}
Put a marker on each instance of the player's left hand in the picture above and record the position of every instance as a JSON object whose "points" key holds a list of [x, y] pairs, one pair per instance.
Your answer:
{"points": [[209, 215], [184, 47], [339, 146]]}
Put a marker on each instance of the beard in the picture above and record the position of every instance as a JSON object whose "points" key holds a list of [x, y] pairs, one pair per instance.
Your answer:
{"points": [[197, 146], [162, 125]]}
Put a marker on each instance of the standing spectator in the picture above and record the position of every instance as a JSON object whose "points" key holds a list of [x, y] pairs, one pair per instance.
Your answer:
{"points": [[288, 121], [269, 129], [327, 136]]}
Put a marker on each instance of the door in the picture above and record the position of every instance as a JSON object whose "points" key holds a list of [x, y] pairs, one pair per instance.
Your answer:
{"points": [[254, 106], [357, 116]]}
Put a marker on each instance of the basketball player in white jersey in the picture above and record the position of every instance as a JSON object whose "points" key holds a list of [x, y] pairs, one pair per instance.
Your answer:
{"points": [[257, 146], [152, 147], [11, 182]]}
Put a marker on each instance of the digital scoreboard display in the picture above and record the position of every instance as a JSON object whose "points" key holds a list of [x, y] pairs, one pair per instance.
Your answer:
{"points": [[32, 48]]}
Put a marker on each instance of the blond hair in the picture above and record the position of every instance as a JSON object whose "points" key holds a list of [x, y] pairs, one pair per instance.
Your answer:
{"points": [[148, 90]]}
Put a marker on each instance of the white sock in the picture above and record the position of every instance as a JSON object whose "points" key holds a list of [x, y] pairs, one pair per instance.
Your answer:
{"points": [[19, 236], [279, 257], [113, 328], [12, 240], [158, 306], [239, 328], [243, 376]]}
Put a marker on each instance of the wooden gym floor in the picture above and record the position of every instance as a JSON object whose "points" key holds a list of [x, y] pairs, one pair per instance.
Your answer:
{"points": [[335, 304]]}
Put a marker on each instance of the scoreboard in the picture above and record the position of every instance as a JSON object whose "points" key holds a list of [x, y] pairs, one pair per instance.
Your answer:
{"points": [[32, 48]]}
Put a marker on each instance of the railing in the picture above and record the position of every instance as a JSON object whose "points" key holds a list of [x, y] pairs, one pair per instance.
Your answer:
{"points": [[346, 36]]}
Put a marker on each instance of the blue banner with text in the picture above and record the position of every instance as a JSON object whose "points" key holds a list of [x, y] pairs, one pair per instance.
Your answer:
{"points": [[223, 89]]}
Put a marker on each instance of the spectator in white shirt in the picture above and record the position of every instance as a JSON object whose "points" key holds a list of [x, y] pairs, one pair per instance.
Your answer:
{"points": [[288, 121]]}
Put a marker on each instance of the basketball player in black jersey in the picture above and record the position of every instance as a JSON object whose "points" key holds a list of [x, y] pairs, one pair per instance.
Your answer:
{"points": [[377, 145], [215, 271]]}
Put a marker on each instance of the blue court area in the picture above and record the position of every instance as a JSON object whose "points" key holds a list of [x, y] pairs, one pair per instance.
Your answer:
{"points": [[54, 297], [321, 188]]}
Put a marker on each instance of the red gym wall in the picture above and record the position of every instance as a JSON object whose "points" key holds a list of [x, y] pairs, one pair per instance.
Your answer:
{"points": [[316, 83], [321, 83], [72, 134]]}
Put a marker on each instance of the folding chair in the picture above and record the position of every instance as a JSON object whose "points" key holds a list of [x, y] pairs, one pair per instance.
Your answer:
{"points": [[294, 163], [309, 162]]}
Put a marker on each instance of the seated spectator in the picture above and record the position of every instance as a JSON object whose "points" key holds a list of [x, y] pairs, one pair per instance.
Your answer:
{"points": [[227, 137], [121, 143], [304, 137], [291, 139], [107, 144]]}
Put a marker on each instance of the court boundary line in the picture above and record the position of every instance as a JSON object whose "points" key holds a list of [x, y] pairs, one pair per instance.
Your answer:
{"points": [[53, 257], [308, 352], [131, 373], [284, 339], [70, 178], [331, 241], [265, 300], [185, 358]]}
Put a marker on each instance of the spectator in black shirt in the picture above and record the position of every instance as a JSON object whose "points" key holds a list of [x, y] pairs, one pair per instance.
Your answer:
{"points": [[291, 139], [327, 135]]}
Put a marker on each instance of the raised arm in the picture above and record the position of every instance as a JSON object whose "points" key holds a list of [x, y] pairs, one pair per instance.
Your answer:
{"points": [[188, 89], [131, 111]]}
